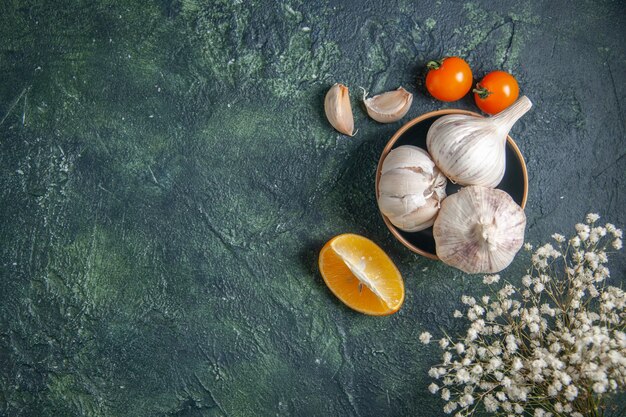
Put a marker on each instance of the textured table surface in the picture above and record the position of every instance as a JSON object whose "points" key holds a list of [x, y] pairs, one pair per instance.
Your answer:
{"points": [[167, 178]]}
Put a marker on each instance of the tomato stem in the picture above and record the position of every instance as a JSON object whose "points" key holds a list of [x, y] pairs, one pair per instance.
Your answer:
{"points": [[482, 92], [434, 65]]}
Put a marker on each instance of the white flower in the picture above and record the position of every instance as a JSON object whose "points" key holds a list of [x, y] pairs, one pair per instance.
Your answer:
{"points": [[472, 334], [539, 287], [433, 388], [466, 299], [539, 412], [460, 348], [466, 400], [528, 246], [527, 280], [462, 376], [491, 279], [617, 244], [449, 408], [443, 343], [491, 404], [600, 387], [425, 338], [558, 237], [571, 392], [592, 217], [457, 314], [445, 394]]}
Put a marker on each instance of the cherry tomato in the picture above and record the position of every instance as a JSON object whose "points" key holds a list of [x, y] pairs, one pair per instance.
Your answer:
{"points": [[448, 79], [497, 91]]}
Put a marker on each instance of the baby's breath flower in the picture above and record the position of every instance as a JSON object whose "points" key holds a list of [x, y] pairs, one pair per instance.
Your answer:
{"points": [[462, 376], [425, 337], [533, 350], [571, 392], [558, 237], [467, 300], [457, 314], [445, 394], [491, 279], [592, 217], [466, 400]]}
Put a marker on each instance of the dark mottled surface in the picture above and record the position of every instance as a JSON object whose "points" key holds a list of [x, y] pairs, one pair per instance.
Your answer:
{"points": [[167, 178]]}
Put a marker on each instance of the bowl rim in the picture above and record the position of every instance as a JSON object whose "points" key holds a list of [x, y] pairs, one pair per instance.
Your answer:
{"points": [[394, 231]]}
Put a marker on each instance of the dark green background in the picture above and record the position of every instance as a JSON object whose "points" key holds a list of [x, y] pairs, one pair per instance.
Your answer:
{"points": [[167, 178]]}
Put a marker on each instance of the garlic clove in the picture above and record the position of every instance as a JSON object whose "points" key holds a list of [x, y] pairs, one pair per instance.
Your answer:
{"points": [[410, 157], [479, 230], [410, 188], [403, 182], [472, 150], [388, 107], [338, 109], [418, 219], [393, 206]]}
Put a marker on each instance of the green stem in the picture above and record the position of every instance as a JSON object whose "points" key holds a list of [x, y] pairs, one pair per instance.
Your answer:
{"points": [[434, 65], [482, 92]]}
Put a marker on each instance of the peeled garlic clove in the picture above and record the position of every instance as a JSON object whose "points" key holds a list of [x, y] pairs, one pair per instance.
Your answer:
{"points": [[388, 107], [479, 230], [410, 188], [338, 109], [472, 150]]}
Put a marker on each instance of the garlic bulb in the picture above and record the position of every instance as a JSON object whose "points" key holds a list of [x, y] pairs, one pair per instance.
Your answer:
{"points": [[410, 188], [471, 150], [338, 109], [388, 107], [479, 230]]}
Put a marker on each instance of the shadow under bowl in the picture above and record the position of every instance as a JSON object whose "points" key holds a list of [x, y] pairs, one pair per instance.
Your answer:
{"points": [[514, 182]]}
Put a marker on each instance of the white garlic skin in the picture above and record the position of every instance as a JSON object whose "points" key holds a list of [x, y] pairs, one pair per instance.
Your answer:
{"points": [[471, 150], [479, 230], [388, 107], [410, 188], [338, 109]]}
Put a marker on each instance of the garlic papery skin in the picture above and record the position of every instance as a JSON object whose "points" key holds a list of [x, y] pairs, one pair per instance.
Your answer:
{"points": [[479, 230], [388, 107], [338, 109], [410, 188], [471, 150]]}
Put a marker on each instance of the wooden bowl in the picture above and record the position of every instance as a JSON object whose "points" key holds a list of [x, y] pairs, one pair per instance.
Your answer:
{"points": [[514, 182]]}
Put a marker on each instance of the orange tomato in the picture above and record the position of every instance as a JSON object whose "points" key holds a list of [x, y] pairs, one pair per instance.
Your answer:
{"points": [[496, 91], [449, 79]]}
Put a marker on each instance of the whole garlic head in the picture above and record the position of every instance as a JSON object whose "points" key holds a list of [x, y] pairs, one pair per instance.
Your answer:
{"points": [[410, 188], [471, 150], [479, 230]]}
